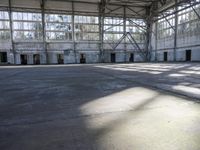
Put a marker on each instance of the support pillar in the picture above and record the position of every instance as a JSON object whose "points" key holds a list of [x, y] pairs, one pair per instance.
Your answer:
{"points": [[175, 30], [44, 30], [124, 28], [148, 46], [102, 16], [11, 33], [73, 34]]}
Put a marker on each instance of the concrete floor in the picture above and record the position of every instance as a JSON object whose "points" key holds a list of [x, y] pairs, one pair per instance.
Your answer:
{"points": [[100, 107]]}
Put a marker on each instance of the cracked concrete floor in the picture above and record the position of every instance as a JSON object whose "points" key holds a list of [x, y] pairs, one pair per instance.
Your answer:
{"points": [[100, 107]]}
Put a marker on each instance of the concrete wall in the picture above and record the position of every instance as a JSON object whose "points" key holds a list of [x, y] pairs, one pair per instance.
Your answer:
{"points": [[180, 54]]}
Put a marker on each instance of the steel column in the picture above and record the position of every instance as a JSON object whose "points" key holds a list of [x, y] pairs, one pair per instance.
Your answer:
{"points": [[11, 32]]}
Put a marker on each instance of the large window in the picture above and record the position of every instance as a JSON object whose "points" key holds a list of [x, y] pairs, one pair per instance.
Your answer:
{"points": [[166, 27], [113, 29], [27, 26], [188, 21], [58, 27], [4, 26], [86, 28]]}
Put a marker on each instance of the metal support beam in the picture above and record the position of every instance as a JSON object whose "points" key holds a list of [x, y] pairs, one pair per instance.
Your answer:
{"points": [[11, 32], [119, 41]]}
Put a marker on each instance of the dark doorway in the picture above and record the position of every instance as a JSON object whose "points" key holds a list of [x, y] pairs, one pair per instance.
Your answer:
{"points": [[60, 58], [3, 57], [131, 58], [23, 59], [112, 58], [165, 56], [82, 59], [188, 54], [36, 59]]}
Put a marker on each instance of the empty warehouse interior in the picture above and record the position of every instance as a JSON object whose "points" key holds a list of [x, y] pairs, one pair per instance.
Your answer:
{"points": [[99, 74]]}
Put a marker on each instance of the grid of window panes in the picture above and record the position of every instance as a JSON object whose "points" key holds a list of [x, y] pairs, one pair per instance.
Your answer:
{"points": [[86, 28], [165, 27], [113, 28], [137, 28], [188, 21], [58, 27], [27, 26], [4, 26]]}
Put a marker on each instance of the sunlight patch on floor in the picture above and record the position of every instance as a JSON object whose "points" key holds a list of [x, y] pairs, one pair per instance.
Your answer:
{"points": [[139, 118]]}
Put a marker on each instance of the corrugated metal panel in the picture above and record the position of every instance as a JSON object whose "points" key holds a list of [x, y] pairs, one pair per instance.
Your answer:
{"points": [[54, 5], [4, 3], [86, 7], [26, 3]]}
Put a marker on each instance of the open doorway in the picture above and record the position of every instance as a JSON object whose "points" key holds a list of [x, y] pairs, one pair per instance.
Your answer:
{"points": [[131, 58], [23, 59], [188, 54], [82, 59], [3, 57], [112, 58], [36, 59], [165, 56], [60, 58]]}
